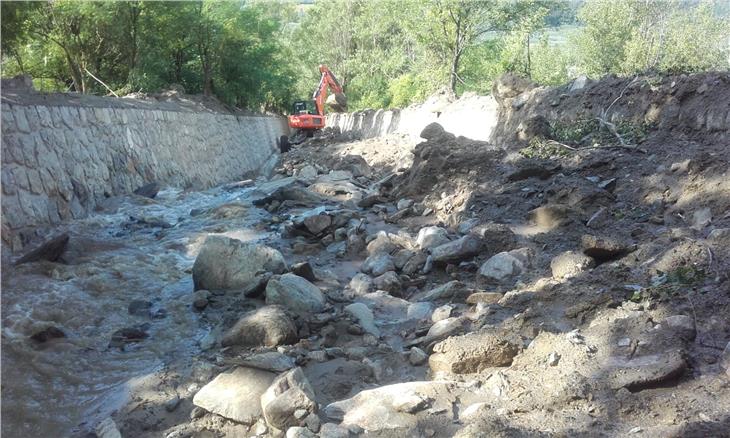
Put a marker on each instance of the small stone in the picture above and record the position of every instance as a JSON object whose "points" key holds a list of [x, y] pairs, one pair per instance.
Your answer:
{"points": [[149, 190], [570, 263], [172, 404], [300, 413], [317, 356], [289, 393], [378, 264], [441, 313], [200, 299], [472, 410], [139, 308], [299, 432], [501, 267], [553, 359], [725, 359], [197, 412], [404, 203], [624, 342], [430, 237], [457, 250], [410, 403], [418, 311], [364, 317], [417, 356], [484, 297], [389, 282], [361, 284], [304, 270], [47, 334], [683, 325], [313, 423], [331, 430]]}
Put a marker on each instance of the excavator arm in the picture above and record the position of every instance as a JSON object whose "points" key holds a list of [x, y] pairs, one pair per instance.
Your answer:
{"points": [[337, 101]]}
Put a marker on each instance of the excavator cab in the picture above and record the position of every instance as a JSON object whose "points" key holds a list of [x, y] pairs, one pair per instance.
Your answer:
{"points": [[304, 107]]}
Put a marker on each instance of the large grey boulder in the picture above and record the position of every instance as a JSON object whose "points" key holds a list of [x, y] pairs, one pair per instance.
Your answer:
{"points": [[295, 293], [233, 394], [268, 326], [289, 393], [457, 250], [224, 263]]}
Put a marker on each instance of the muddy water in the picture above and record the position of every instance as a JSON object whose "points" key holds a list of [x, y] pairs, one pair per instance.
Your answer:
{"points": [[65, 386]]}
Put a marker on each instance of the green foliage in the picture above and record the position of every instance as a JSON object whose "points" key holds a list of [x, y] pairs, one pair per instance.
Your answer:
{"points": [[591, 131], [543, 148], [669, 36], [263, 54]]}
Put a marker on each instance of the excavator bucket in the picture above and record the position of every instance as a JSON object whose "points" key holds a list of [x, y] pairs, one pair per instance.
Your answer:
{"points": [[337, 102]]}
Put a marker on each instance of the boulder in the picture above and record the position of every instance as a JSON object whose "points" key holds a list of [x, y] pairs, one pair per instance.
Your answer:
{"points": [[148, 190], [361, 283], [364, 317], [495, 237], [460, 249], [401, 257], [378, 264], [453, 288], [415, 264], [304, 270], [375, 410], [416, 356], [442, 312], [418, 311], [317, 223], [50, 250], [502, 266], [430, 237], [472, 353], [268, 326], [382, 243], [484, 298], [300, 432], [432, 131], [388, 282], [641, 372], [231, 393], [269, 361], [570, 263], [295, 293], [603, 248], [289, 393], [224, 263]]}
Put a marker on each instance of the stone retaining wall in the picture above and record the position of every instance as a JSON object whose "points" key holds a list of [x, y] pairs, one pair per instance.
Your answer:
{"points": [[59, 161]]}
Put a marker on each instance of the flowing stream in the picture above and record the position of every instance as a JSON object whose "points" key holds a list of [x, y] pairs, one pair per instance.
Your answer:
{"points": [[136, 250]]}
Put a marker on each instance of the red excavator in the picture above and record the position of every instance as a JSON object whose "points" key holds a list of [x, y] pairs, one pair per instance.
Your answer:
{"points": [[308, 116]]}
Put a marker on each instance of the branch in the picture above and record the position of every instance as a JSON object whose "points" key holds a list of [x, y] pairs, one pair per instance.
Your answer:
{"points": [[102, 83]]}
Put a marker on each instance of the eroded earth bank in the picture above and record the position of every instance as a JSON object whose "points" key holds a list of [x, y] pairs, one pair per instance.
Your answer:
{"points": [[569, 278]]}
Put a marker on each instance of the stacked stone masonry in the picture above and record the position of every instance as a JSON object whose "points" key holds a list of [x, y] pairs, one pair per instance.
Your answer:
{"points": [[58, 162]]}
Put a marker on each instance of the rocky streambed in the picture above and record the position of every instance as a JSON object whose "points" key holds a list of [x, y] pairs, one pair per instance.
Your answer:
{"points": [[342, 300]]}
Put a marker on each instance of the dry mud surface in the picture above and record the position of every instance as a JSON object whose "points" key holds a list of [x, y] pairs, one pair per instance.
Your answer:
{"points": [[451, 288]]}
